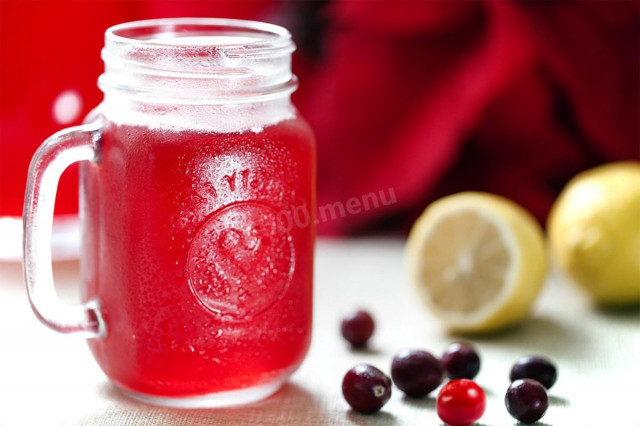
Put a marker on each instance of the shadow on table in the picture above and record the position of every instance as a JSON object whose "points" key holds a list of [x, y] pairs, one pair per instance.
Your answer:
{"points": [[529, 424], [379, 418], [559, 401], [428, 402], [367, 350], [544, 335], [624, 314], [291, 405]]}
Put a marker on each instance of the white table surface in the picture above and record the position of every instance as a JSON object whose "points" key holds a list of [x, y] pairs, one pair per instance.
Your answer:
{"points": [[48, 379]]}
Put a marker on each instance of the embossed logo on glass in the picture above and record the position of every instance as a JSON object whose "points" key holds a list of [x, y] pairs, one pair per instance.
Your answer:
{"points": [[240, 262]]}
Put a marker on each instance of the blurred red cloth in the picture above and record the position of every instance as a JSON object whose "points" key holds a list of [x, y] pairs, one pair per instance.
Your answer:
{"points": [[423, 98], [437, 97]]}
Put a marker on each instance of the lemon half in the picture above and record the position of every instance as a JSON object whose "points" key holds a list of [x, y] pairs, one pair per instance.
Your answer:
{"points": [[477, 260]]}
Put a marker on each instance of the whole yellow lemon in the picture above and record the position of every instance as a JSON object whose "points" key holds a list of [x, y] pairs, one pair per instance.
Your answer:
{"points": [[594, 231]]}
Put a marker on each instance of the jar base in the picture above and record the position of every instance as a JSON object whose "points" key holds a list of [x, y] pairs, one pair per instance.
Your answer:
{"points": [[211, 400]]}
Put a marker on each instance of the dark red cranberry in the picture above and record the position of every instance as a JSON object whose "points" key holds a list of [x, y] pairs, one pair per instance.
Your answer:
{"points": [[537, 368], [526, 400], [461, 361], [416, 373], [357, 328], [366, 388], [461, 402]]}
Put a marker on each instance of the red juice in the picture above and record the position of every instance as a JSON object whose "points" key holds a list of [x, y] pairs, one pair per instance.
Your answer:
{"points": [[204, 280]]}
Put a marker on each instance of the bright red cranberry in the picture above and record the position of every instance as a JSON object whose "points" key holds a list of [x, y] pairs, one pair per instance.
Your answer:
{"points": [[536, 368], [357, 328], [416, 373], [526, 400], [461, 402], [461, 361], [366, 388]]}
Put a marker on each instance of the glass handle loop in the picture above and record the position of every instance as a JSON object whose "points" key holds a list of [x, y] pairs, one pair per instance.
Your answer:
{"points": [[58, 152]]}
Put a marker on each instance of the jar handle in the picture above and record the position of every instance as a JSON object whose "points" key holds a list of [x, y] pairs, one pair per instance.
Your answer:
{"points": [[60, 150]]}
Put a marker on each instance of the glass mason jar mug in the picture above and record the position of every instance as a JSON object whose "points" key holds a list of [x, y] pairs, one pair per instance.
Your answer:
{"points": [[197, 289]]}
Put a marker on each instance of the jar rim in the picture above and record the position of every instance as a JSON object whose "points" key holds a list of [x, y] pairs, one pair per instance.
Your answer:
{"points": [[275, 39], [198, 60]]}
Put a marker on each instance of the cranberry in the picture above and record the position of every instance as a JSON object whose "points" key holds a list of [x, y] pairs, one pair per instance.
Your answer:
{"points": [[461, 361], [537, 368], [357, 328], [416, 373], [526, 400], [461, 402], [366, 388]]}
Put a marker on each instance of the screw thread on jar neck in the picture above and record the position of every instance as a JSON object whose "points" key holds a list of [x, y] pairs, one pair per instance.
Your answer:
{"points": [[197, 61]]}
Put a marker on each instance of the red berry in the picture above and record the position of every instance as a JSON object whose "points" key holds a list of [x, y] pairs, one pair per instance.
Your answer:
{"points": [[537, 368], [416, 373], [366, 388], [526, 400], [357, 328], [461, 402], [461, 361]]}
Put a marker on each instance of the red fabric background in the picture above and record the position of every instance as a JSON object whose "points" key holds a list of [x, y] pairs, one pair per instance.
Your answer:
{"points": [[422, 97]]}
